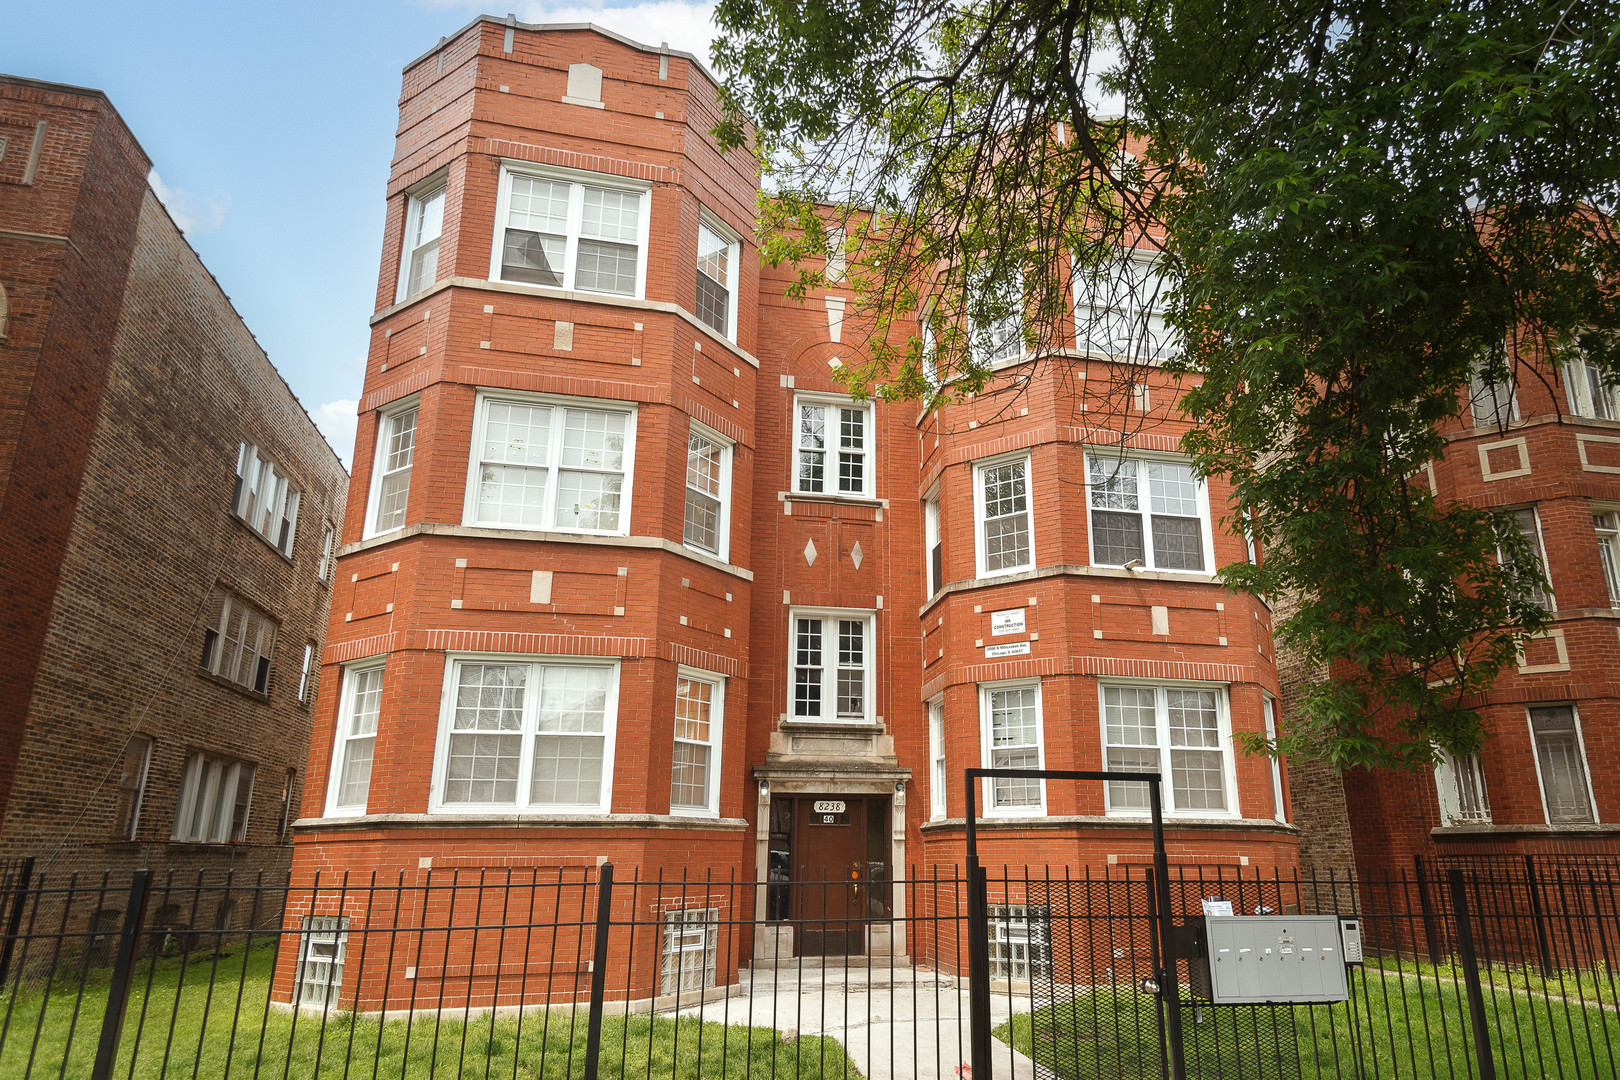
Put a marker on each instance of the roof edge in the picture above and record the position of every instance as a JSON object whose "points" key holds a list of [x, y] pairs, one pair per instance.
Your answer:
{"points": [[81, 91]]}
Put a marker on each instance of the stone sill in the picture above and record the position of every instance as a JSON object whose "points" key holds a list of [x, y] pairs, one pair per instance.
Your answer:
{"points": [[651, 543], [1125, 824], [1460, 832], [1076, 570], [384, 822]]}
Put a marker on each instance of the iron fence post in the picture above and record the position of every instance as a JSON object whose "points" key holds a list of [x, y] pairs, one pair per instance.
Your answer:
{"points": [[123, 975], [1431, 937], [19, 900], [978, 943], [1537, 914], [1470, 965], [1169, 979], [593, 1030]]}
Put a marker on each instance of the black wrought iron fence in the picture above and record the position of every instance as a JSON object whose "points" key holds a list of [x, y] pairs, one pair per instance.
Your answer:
{"points": [[582, 971]]}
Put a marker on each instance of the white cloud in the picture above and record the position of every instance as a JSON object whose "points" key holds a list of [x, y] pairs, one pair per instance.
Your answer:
{"points": [[192, 213], [337, 420]]}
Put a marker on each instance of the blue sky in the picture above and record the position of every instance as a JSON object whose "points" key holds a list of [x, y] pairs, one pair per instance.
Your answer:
{"points": [[270, 127]]}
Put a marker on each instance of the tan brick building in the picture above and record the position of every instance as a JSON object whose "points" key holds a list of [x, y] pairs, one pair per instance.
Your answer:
{"points": [[167, 517]]}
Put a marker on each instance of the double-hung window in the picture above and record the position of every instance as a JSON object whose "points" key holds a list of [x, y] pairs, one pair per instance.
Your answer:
{"points": [[931, 544], [134, 766], [1002, 340], [527, 736], [832, 666], [215, 794], [1492, 402], [239, 643], [717, 255], [424, 224], [936, 761], [708, 491], [571, 230], [1529, 525], [832, 447], [1460, 785], [1590, 394], [1010, 723], [1606, 523], [1006, 516], [265, 498], [358, 708], [1181, 732], [1566, 791], [1279, 809], [1146, 512], [542, 464], [328, 564], [1119, 307], [391, 479], [306, 674], [694, 786]]}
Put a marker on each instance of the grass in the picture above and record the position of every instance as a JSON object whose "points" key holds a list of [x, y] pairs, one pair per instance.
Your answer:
{"points": [[1406, 1020], [178, 1026]]}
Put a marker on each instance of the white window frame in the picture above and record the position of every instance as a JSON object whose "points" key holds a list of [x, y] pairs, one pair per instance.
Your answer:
{"points": [[1223, 719], [831, 448], [987, 747], [1580, 746], [305, 671], [265, 498], [447, 702], [1549, 599], [1486, 406], [415, 202], [708, 220], [387, 418], [979, 468], [933, 542], [938, 772], [1109, 461], [579, 180], [1608, 538], [837, 268], [1279, 809], [342, 736], [554, 466], [830, 618], [717, 727], [136, 791], [261, 650], [1446, 769], [217, 781], [688, 932], [727, 448], [1002, 344], [1144, 323], [1579, 392]]}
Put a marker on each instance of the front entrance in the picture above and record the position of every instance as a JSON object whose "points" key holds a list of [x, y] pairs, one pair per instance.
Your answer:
{"points": [[829, 861]]}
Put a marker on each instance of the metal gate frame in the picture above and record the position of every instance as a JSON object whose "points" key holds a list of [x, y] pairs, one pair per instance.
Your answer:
{"points": [[1161, 923]]}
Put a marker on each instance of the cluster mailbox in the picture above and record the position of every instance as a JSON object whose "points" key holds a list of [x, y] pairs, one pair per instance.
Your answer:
{"points": [[1254, 959]]}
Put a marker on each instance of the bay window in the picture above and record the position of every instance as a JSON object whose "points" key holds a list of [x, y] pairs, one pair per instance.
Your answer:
{"points": [[831, 666], [1460, 786], [1006, 519], [1011, 737], [520, 735], [1606, 523], [1492, 402], [571, 230], [1181, 732], [936, 761], [1147, 512], [1529, 525], [551, 464], [832, 447]]}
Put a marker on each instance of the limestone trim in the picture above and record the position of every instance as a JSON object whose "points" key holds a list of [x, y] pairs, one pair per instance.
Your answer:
{"points": [[1097, 821], [520, 821], [1074, 570]]}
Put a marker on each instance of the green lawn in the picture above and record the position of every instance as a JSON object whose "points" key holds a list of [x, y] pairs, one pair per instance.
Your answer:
{"points": [[1404, 1021], [187, 1031]]}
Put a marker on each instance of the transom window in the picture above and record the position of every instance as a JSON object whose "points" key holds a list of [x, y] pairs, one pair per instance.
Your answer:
{"points": [[1010, 716], [265, 498], [1143, 725], [1561, 764], [717, 255], [565, 231], [1119, 307], [215, 794], [391, 485], [358, 709], [832, 669], [694, 778], [239, 643], [1154, 514], [1006, 532], [424, 224], [527, 736], [1606, 523], [545, 465], [708, 491], [832, 448]]}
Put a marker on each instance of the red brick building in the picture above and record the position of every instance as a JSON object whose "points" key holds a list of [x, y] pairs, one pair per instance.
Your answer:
{"points": [[168, 515], [1548, 449], [625, 575]]}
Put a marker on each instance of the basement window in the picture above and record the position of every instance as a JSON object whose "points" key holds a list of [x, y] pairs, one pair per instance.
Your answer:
{"points": [[321, 950], [687, 960]]}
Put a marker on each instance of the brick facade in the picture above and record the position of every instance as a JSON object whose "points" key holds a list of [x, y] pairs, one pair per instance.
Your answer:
{"points": [[131, 383], [446, 583]]}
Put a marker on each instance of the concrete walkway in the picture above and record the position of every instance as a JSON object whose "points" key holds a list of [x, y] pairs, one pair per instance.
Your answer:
{"points": [[908, 1024]]}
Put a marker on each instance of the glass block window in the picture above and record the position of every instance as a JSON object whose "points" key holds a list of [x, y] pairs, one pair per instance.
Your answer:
{"points": [[544, 465], [1561, 761], [690, 949], [708, 482], [1149, 727], [321, 947], [831, 667], [1006, 517], [1151, 513], [391, 487], [694, 783], [358, 708], [570, 234], [832, 449], [1012, 739], [528, 736], [1020, 942]]}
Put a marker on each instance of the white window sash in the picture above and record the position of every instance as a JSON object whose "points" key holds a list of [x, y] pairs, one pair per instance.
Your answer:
{"points": [[981, 518], [1588, 394], [577, 182], [1108, 464], [347, 740], [723, 233], [328, 563], [1606, 524], [988, 748], [211, 791], [388, 426], [1162, 744], [1580, 759], [554, 468], [723, 524], [1110, 316], [933, 552], [832, 449], [717, 708], [1279, 809], [530, 721], [828, 619], [266, 499], [938, 778], [414, 244]]}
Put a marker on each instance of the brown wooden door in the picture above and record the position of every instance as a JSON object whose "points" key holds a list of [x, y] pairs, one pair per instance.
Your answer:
{"points": [[829, 876]]}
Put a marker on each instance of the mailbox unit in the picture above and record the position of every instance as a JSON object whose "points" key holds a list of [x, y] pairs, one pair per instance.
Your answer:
{"points": [[1253, 959]]}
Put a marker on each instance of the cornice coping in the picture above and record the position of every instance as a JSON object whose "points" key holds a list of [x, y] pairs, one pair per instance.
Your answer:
{"points": [[365, 822]]}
